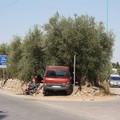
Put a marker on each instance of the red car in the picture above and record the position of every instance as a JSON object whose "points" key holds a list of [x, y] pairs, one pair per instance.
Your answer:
{"points": [[57, 78]]}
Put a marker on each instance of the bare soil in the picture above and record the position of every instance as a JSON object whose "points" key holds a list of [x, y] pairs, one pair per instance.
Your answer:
{"points": [[13, 87]]}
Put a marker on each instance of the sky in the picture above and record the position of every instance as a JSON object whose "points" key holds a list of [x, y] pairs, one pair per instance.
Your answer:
{"points": [[18, 16]]}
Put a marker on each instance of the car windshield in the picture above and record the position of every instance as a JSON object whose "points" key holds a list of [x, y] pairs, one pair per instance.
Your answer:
{"points": [[56, 73], [115, 78]]}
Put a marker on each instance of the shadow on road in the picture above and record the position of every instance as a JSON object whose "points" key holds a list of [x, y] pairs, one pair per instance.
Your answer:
{"points": [[57, 93], [3, 115]]}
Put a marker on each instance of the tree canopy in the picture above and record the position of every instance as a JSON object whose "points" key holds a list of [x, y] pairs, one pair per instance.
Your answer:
{"points": [[85, 38], [57, 42]]}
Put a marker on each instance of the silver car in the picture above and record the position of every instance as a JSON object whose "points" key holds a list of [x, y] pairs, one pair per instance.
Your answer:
{"points": [[114, 81]]}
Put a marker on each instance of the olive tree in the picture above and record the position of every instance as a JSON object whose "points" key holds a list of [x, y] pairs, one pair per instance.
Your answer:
{"points": [[82, 36], [32, 54]]}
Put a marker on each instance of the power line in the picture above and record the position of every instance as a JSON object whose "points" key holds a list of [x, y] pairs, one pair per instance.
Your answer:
{"points": [[9, 4]]}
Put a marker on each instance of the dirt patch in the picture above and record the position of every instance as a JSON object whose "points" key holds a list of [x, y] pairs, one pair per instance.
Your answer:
{"points": [[13, 87]]}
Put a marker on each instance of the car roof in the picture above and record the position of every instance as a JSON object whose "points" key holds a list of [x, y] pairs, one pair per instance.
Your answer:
{"points": [[114, 75], [57, 67]]}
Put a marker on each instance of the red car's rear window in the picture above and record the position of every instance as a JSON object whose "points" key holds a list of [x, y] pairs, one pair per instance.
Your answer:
{"points": [[57, 73]]}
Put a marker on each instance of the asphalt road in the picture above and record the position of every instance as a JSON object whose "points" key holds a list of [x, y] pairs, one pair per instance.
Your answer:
{"points": [[27, 108]]}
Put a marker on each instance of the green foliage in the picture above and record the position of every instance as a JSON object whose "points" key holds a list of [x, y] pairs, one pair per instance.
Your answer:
{"points": [[32, 61], [3, 48], [116, 66], [60, 40], [85, 38], [14, 57], [118, 70]]}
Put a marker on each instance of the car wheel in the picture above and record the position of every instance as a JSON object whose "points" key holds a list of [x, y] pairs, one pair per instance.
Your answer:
{"points": [[69, 90], [45, 93]]}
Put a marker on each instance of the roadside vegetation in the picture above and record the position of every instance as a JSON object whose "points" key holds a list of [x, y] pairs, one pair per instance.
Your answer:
{"points": [[56, 43]]}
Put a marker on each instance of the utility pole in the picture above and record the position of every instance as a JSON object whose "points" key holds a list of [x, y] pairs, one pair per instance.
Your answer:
{"points": [[107, 34], [74, 68]]}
